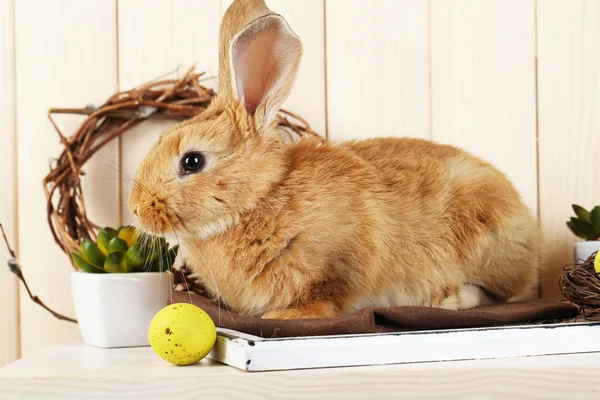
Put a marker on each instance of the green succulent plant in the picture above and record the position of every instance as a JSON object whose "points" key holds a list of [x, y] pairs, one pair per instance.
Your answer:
{"points": [[586, 224], [124, 250]]}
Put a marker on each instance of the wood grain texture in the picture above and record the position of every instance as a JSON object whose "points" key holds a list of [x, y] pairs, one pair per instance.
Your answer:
{"points": [[66, 56], [78, 371], [377, 68], [483, 84], [157, 37], [569, 123], [9, 300]]}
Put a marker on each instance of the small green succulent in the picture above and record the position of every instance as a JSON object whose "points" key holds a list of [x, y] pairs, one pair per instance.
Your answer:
{"points": [[587, 223], [124, 250]]}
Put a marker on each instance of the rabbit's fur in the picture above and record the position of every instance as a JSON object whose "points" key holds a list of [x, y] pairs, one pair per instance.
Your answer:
{"points": [[315, 229]]}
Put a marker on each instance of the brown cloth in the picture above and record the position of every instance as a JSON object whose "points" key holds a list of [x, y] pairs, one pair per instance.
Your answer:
{"points": [[387, 319]]}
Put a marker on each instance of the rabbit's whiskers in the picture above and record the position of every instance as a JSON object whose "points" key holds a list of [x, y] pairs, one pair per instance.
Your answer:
{"points": [[124, 175], [183, 275]]}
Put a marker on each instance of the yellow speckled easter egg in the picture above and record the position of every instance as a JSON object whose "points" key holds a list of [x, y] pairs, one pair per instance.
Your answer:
{"points": [[182, 333]]}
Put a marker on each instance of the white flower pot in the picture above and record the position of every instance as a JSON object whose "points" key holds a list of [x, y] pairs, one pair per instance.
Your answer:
{"points": [[115, 310], [585, 249]]}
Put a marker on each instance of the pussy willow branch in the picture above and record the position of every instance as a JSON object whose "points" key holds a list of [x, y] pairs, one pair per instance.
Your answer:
{"points": [[15, 268]]}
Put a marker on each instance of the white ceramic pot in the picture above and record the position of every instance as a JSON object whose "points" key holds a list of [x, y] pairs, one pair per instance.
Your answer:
{"points": [[585, 249], [115, 310]]}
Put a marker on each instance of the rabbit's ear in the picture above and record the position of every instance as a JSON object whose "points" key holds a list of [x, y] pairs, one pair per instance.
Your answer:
{"points": [[260, 61]]}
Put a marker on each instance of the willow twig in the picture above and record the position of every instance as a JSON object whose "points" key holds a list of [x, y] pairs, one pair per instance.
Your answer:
{"points": [[15, 268]]}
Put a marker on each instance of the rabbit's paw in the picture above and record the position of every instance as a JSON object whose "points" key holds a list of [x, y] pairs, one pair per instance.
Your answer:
{"points": [[468, 296], [320, 309]]}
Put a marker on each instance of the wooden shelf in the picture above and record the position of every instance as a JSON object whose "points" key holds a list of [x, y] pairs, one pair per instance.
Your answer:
{"points": [[79, 371]]}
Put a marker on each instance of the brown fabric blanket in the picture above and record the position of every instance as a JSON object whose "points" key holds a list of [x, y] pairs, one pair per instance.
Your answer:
{"points": [[389, 319]]}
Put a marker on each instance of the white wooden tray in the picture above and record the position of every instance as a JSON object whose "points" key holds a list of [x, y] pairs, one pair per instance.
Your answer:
{"points": [[253, 353]]}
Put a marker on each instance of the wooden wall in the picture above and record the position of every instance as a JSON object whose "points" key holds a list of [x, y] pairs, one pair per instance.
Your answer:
{"points": [[9, 300], [513, 81], [568, 121]]}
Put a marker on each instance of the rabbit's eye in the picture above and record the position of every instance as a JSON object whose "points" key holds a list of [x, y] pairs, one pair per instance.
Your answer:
{"points": [[192, 163]]}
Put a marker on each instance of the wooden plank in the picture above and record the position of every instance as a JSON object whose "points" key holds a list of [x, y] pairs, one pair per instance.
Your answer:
{"points": [[252, 353], [9, 300], [377, 68], [157, 37], [77, 371], [569, 123], [483, 84], [66, 56]]}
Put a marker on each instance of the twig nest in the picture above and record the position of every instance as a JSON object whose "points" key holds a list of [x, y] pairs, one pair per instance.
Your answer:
{"points": [[580, 284]]}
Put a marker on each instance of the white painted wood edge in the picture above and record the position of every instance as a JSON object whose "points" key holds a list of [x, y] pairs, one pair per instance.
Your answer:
{"points": [[252, 353]]}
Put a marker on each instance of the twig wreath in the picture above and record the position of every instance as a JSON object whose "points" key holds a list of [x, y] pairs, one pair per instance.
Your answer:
{"points": [[176, 99]]}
